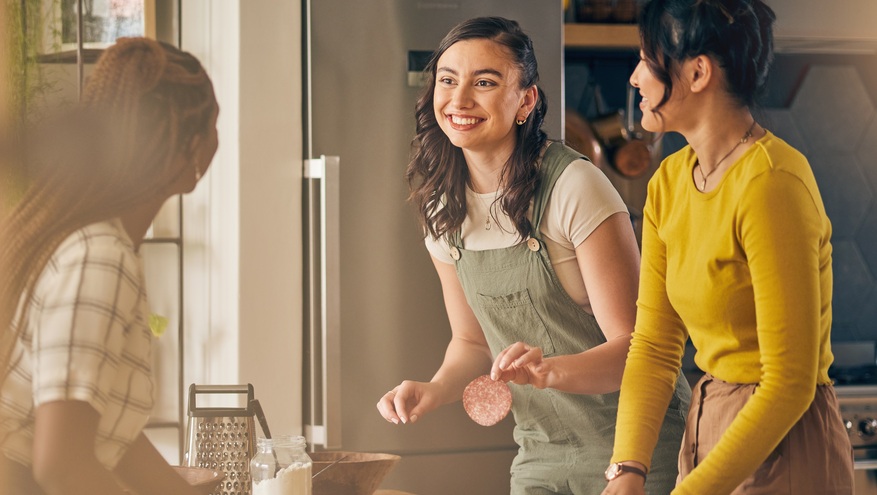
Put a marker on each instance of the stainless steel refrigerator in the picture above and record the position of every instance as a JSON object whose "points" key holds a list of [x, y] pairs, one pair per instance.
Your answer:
{"points": [[374, 309]]}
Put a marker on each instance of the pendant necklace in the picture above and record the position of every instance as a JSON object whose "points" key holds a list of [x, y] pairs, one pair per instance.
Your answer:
{"points": [[488, 208], [746, 136]]}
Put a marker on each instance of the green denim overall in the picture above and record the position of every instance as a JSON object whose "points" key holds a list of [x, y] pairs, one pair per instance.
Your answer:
{"points": [[565, 439]]}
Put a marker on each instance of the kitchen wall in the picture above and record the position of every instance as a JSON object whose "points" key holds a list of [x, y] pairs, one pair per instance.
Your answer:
{"points": [[824, 105], [243, 223], [809, 20]]}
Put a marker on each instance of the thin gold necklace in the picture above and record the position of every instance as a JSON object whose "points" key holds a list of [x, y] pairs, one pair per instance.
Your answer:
{"points": [[488, 209], [746, 136]]}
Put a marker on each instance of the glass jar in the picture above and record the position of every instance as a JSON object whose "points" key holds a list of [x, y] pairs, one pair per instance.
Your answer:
{"points": [[281, 467]]}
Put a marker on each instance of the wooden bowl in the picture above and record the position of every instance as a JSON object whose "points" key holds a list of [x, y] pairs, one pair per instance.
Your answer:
{"points": [[357, 474], [205, 480]]}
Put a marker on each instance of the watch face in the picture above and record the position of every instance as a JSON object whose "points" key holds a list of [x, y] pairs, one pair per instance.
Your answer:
{"points": [[616, 469], [613, 471]]}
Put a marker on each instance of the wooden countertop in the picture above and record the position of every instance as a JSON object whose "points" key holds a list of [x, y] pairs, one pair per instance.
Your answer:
{"points": [[392, 492]]}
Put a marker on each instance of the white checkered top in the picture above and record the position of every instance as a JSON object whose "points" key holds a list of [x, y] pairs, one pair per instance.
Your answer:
{"points": [[87, 339]]}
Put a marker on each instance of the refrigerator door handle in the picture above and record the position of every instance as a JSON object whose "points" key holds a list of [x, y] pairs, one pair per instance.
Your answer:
{"points": [[323, 360]]}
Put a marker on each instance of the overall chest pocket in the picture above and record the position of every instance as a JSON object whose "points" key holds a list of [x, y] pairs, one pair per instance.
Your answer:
{"points": [[512, 318]]}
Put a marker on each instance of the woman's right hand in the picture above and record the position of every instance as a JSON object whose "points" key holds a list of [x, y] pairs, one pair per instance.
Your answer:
{"points": [[409, 401], [467, 357]]}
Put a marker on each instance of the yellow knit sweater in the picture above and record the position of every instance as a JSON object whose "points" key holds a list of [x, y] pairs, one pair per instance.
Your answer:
{"points": [[745, 270]]}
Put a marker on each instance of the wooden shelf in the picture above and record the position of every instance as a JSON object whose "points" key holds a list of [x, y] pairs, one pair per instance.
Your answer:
{"points": [[601, 36]]}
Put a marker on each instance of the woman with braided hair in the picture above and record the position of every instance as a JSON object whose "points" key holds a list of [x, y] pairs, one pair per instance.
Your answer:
{"points": [[736, 256], [76, 387]]}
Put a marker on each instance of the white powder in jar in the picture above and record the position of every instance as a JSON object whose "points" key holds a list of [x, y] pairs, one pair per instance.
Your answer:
{"points": [[294, 479]]}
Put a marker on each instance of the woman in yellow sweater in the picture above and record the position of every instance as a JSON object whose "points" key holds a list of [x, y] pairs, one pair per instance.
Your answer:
{"points": [[736, 255]]}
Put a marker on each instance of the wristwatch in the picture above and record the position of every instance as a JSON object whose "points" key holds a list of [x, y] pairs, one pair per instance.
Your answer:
{"points": [[616, 469]]}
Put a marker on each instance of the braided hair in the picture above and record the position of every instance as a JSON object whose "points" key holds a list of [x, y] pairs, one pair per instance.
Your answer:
{"points": [[141, 107]]}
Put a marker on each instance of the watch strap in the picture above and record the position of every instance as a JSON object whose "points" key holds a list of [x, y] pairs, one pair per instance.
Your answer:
{"points": [[617, 469]]}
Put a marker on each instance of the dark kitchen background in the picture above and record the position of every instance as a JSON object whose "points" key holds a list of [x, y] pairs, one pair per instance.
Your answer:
{"points": [[821, 103]]}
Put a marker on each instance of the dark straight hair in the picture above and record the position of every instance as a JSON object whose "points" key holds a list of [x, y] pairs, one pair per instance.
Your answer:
{"points": [[738, 34]]}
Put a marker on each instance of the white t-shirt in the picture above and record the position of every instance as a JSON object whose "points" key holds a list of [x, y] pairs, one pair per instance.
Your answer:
{"points": [[581, 200]]}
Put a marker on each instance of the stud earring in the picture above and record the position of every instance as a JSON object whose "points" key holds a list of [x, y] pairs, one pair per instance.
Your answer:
{"points": [[521, 121], [197, 173]]}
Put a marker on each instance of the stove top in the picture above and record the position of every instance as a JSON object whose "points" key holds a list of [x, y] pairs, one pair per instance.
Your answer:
{"points": [[854, 375], [857, 397]]}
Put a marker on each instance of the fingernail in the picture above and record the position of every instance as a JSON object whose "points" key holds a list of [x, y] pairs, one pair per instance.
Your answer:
{"points": [[404, 421], [493, 376], [414, 418], [395, 421]]}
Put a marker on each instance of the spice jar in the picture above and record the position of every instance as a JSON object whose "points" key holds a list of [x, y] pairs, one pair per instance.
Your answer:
{"points": [[281, 467]]}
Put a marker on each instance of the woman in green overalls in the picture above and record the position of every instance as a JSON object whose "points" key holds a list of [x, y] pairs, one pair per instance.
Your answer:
{"points": [[538, 264]]}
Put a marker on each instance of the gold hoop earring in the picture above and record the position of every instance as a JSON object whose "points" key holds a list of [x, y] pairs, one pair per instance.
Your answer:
{"points": [[521, 122]]}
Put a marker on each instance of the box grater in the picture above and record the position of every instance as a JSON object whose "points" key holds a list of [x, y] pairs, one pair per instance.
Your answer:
{"points": [[223, 438]]}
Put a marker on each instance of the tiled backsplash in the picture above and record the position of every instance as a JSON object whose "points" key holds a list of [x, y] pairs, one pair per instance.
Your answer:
{"points": [[825, 105]]}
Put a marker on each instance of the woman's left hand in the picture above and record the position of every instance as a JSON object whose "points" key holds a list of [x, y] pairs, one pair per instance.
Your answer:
{"points": [[625, 485], [522, 364]]}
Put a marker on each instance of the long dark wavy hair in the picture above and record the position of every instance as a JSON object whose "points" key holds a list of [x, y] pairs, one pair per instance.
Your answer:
{"points": [[437, 173], [738, 34]]}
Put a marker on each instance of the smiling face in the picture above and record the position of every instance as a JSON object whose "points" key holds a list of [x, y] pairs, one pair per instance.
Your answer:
{"points": [[652, 91], [477, 97], [671, 113]]}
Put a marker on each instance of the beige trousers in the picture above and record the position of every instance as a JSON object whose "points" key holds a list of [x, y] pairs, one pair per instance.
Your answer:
{"points": [[815, 457]]}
